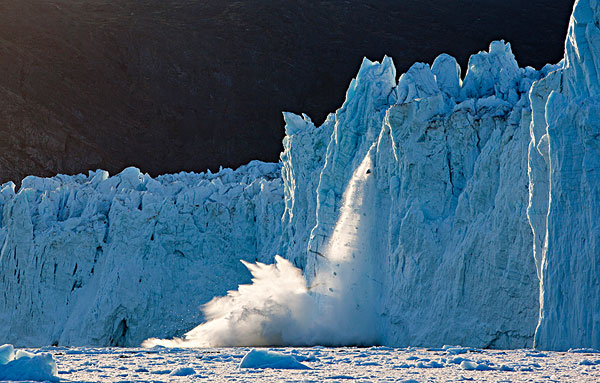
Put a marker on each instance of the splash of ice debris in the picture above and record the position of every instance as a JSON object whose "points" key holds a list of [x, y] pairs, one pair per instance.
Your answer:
{"points": [[269, 311], [279, 308], [346, 273]]}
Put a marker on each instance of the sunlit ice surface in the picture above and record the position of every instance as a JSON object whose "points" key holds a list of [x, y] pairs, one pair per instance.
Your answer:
{"points": [[382, 364]]}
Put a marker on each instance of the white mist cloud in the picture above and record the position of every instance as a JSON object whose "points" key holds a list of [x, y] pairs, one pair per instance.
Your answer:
{"points": [[278, 308]]}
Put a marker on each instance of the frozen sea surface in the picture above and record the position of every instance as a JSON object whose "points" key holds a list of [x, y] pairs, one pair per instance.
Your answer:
{"points": [[381, 364]]}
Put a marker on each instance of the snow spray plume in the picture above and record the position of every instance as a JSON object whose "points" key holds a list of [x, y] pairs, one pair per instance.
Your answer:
{"points": [[278, 308]]}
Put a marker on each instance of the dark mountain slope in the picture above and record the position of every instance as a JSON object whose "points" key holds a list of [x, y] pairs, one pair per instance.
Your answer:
{"points": [[189, 84]]}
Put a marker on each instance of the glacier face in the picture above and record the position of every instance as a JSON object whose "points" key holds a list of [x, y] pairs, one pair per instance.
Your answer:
{"points": [[487, 191], [564, 158], [99, 260], [458, 191], [453, 249], [484, 191]]}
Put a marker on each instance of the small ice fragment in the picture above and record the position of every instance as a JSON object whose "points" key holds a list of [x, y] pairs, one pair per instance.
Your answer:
{"points": [[458, 360], [536, 355], [183, 371], [23, 365], [468, 365], [457, 350], [506, 368], [270, 359], [432, 364], [7, 353]]}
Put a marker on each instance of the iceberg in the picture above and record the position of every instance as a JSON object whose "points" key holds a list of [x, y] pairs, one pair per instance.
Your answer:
{"points": [[21, 365], [271, 359]]}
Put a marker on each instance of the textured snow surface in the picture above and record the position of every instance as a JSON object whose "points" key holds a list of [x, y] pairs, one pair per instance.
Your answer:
{"points": [[380, 364], [433, 209]]}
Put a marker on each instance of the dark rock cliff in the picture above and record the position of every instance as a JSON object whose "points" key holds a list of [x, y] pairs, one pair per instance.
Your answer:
{"points": [[189, 84]]}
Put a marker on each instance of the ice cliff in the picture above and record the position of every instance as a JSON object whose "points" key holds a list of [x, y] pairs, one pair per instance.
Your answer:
{"points": [[484, 189], [564, 171], [453, 247], [99, 260]]}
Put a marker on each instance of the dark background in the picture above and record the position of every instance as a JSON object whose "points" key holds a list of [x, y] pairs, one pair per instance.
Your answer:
{"points": [[171, 85]]}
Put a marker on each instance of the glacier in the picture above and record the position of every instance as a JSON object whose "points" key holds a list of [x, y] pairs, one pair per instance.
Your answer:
{"points": [[450, 165], [99, 260], [564, 156], [447, 209]]}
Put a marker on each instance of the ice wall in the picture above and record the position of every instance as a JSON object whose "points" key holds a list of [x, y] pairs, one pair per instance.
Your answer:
{"points": [[473, 219], [304, 148], [564, 171], [463, 168], [458, 188], [99, 260], [453, 247]]}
